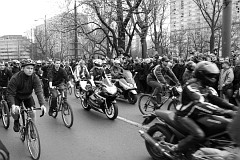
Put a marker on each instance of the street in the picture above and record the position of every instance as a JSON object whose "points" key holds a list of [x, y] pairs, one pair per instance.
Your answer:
{"points": [[92, 136]]}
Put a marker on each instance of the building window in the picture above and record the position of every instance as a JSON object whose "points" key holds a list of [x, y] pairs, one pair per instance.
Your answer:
{"points": [[182, 14], [182, 4]]}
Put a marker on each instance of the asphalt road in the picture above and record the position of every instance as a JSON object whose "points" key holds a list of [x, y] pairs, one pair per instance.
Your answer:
{"points": [[92, 137]]}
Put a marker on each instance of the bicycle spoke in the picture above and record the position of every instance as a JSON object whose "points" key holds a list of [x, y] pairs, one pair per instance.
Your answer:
{"points": [[145, 104]]}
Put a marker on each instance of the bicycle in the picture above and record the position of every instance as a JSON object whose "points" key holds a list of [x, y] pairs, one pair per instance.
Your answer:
{"points": [[5, 114], [146, 105], [28, 130], [63, 106]]}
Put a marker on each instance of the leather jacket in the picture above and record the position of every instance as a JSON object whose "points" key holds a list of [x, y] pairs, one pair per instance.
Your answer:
{"points": [[198, 100]]}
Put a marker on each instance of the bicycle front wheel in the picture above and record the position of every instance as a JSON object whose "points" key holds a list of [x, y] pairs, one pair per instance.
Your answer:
{"points": [[33, 141], [5, 115], [145, 104], [67, 114], [173, 104]]}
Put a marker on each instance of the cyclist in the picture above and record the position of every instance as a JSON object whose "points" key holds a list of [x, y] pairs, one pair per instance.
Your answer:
{"points": [[57, 76], [15, 66], [20, 89], [199, 99], [80, 72], [69, 70], [156, 79], [5, 75]]}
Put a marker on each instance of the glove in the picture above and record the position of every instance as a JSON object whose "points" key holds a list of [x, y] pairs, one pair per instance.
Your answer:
{"points": [[43, 109], [228, 113], [15, 109]]}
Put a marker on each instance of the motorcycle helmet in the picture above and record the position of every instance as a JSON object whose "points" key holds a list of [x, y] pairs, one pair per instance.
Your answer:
{"points": [[190, 65], [26, 62], [207, 72], [97, 62]]}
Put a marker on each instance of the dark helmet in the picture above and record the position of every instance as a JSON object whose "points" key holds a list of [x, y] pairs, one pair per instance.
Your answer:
{"points": [[26, 62], [190, 65], [207, 72]]}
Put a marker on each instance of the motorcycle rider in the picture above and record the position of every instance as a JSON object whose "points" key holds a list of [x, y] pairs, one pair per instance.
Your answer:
{"points": [[199, 99], [156, 78], [117, 72]]}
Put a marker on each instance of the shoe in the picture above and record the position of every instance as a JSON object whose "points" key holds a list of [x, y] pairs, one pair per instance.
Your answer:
{"points": [[16, 126]]}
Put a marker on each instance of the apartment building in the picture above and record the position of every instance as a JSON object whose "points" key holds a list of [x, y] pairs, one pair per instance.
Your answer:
{"points": [[14, 47], [186, 16]]}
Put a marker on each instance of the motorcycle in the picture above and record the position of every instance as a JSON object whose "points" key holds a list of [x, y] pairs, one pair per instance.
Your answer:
{"points": [[160, 137], [127, 90], [101, 98]]}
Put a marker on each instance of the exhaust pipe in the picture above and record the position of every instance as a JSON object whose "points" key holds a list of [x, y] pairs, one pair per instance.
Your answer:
{"points": [[153, 142]]}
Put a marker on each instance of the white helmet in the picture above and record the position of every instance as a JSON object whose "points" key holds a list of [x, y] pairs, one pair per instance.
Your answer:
{"points": [[97, 62]]}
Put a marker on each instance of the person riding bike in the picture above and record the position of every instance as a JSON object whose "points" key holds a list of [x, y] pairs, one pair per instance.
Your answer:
{"points": [[80, 72], [20, 89], [156, 79], [57, 76], [5, 75], [199, 99]]}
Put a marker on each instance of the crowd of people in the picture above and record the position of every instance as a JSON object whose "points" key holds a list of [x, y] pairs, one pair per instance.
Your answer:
{"points": [[195, 74]]}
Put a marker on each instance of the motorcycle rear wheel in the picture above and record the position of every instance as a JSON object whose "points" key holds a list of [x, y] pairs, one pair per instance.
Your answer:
{"points": [[159, 133], [112, 111]]}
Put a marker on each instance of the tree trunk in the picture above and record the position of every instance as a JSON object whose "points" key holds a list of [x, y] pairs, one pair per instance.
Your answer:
{"points": [[144, 47], [212, 41]]}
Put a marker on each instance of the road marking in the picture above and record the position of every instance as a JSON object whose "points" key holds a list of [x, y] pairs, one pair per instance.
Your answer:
{"points": [[133, 123]]}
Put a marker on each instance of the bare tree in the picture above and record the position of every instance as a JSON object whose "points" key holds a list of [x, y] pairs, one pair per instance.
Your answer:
{"points": [[211, 10], [144, 21], [159, 35], [113, 20]]}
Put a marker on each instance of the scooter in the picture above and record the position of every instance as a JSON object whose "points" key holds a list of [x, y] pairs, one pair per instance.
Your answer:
{"points": [[127, 89], [102, 98]]}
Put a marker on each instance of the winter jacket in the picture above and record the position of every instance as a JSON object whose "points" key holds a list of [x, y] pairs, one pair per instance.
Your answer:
{"points": [[21, 86]]}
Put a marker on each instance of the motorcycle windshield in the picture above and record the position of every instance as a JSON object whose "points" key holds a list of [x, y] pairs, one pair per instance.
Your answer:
{"points": [[128, 76], [107, 82]]}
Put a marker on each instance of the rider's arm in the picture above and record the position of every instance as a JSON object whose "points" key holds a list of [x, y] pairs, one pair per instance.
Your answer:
{"points": [[38, 89], [158, 74], [221, 102], [172, 75]]}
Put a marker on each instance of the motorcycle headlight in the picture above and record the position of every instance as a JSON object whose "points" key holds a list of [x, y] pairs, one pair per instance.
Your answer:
{"points": [[111, 90]]}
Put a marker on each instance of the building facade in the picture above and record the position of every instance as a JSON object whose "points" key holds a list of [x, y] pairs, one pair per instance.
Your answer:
{"points": [[14, 47], [186, 19]]}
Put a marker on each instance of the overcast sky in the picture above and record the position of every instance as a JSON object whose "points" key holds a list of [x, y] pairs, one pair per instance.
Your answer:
{"points": [[18, 16]]}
